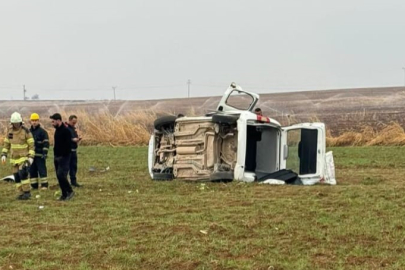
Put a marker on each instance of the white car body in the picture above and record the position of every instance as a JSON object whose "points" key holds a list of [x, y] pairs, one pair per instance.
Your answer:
{"points": [[244, 149]]}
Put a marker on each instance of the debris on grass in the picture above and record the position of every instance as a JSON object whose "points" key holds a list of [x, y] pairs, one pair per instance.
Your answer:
{"points": [[94, 169], [202, 186], [9, 178]]}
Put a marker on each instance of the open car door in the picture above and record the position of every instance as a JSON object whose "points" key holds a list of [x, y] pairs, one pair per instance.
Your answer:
{"points": [[236, 100], [303, 151]]}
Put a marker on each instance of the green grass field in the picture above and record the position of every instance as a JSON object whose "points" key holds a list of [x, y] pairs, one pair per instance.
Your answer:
{"points": [[121, 219]]}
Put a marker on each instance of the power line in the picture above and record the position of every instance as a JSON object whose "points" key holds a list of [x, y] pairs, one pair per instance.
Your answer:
{"points": [[24, 91], [114, 87], [188, 87], [404, 75]]}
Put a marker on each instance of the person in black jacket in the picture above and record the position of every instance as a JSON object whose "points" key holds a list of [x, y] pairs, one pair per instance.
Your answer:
{"points": [[62, 149], [71, 125], [38, 168]]}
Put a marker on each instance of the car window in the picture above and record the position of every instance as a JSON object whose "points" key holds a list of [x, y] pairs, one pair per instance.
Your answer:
{"points": [[302, 150], [239, 100]]}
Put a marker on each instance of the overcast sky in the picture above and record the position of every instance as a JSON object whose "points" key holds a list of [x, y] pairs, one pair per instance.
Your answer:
{"points": [[149, 49]]}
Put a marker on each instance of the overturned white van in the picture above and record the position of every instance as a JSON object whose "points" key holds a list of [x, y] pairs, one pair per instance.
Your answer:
{"points": [[233, 143]]}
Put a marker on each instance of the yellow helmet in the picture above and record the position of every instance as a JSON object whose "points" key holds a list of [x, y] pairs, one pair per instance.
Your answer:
{"points": [[34, 116]]}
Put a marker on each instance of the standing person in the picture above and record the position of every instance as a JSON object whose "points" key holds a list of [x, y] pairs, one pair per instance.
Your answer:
{"points": [[41, 152], [71, 125], [20, 144], [62, 149]]}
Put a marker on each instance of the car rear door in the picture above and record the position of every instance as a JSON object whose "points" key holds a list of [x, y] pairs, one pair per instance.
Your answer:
{"points": [[303, 151], [235, 99]]}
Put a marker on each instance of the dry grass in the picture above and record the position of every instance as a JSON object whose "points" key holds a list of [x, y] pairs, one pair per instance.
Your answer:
{"points": [[104, 128], [127, 129], [392, 134], [134, 128]]}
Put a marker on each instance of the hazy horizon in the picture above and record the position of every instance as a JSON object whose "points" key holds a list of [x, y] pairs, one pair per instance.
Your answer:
{"points": [[149, 50]]}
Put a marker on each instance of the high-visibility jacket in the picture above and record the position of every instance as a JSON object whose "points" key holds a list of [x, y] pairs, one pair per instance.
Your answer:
{"points": [[19, 145]]}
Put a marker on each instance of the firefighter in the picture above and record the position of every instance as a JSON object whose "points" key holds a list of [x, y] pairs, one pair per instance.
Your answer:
{"points": [[38, 168], [19, 144]]}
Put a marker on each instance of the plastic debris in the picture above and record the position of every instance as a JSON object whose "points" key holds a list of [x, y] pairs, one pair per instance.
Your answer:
{"points": [[273, 182], [9, 178], [94, 169]]}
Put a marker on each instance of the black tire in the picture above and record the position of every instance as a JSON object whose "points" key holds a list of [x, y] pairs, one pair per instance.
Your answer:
{"points": [[225, 119], [222, 177], [162, 176], [165, 122]]}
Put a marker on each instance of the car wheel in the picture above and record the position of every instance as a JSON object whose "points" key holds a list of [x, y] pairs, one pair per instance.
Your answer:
{"points": [[225, 119], [165, 122]]}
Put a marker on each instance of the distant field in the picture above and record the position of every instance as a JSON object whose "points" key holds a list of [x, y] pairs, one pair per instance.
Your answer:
{"points": [[121, 219], [341, 110]]}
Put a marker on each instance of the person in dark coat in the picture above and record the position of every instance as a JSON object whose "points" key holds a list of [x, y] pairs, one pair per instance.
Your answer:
{"points": [[62, 150], [71, 125]]}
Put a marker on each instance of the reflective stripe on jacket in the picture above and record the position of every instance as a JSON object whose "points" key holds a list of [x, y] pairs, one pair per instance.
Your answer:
{"points": [[19, 145]]}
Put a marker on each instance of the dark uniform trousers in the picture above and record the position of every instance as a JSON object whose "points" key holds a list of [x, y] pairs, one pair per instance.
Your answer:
{"points": [[73, 167], [38, 168], [62, 169]]}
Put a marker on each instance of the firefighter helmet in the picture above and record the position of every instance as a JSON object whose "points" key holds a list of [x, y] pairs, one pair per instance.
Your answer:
{"points": [[34, 116], [16, 118]]}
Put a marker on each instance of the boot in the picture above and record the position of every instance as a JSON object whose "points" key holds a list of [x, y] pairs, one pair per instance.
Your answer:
{"points": [[19, 190], [25, 196], [44, 186], [70, 196], [75, 184]]}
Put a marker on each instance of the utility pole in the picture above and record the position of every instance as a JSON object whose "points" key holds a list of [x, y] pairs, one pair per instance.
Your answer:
{"points": [[404, 75], [114, 87], [188, 87], [24, 91]]}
